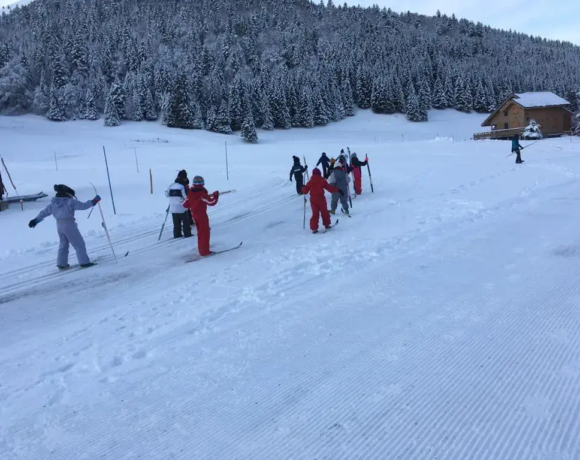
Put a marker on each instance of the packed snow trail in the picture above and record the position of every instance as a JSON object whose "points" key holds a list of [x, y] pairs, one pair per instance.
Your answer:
{"points": [[441, 322]]}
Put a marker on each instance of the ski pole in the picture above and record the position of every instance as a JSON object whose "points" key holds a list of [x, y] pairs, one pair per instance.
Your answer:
{"points": [[164, 222], [369, 171], [89, 216], [227, 191], [104, 224], [9, 176], [304, 218]]}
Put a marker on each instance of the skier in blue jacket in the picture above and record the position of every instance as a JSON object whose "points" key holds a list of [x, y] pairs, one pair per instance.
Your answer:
{"points": [[62, 207], [324, 161], [516, 148]]}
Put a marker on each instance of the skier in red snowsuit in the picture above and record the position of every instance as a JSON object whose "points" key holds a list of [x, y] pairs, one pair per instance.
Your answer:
{"points": [[316, 187], [357, 173], [197, 202]]}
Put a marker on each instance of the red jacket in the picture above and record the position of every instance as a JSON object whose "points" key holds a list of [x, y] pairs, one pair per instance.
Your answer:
{"points": [[316, 186], [198, 200]]}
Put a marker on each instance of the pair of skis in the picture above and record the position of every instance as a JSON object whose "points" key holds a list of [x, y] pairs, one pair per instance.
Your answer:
{"points": [[214, 253]]}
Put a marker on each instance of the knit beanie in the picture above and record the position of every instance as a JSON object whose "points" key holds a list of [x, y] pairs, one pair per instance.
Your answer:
{"points": [[316, 172], [198, 181]]}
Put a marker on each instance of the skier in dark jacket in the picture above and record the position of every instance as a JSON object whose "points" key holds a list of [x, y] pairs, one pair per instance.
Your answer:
{"points": [[177, 193], [298, 172], [324, 162], [516, 147]]}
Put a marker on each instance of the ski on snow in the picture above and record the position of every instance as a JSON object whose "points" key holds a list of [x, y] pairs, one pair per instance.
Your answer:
{"points": [[214, 253], [95, 261], [324, 231]]}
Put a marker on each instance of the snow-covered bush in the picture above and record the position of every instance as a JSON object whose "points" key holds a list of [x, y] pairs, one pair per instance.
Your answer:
{"points": [[533, 131]]}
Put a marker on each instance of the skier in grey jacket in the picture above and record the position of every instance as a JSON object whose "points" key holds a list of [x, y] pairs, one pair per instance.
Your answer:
{"points": [[339, 179], [62, 207]]}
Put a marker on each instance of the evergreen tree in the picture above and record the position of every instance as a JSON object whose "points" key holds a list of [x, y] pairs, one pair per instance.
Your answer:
{"points": [[414, 110], [236, 111], [425, 99], [248, 129], [90, 112], [347, 97], [268, 120], [146, 101], [480, 104], [463, 100], [320, 112], [439, 97], [380, 97], [181, 109], [56, 109], [222, 124], [306, 108], [112, 117]]}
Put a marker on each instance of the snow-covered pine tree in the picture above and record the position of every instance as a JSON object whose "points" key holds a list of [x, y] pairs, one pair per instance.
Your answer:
{"points": [[533, 131], [248, 129], [379, 96], [463, 100], [425, 99], [146, 100], [90, 110], [414, 110], [320, 111], [222, 124], [439, 98], [347, 97], [112, 117], [57, 105], [267, 119], [480, 103], [236, 104], [305, 114], [364, 89]]}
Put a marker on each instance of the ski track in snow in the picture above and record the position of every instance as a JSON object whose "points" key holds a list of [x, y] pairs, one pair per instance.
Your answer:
{"points": [[441, 321]]}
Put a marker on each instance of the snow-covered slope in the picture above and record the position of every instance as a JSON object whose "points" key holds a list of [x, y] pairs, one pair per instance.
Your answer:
{"points": [[441, 321]]}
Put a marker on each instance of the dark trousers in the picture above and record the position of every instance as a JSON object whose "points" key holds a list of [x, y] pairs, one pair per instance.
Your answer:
{"points": [[325, 171], [299, 179], [179, 220], [518, 155]]}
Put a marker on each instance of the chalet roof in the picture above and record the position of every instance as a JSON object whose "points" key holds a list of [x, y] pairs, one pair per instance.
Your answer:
{"points": [[530, 101], [539, 99]]}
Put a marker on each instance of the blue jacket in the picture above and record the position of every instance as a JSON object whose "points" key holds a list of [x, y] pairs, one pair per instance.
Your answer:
{"points": [[64, 208], [324, 161], [516, 145]]}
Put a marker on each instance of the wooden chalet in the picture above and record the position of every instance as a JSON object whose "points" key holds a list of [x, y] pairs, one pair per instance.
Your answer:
{"points": [[548, 109]]}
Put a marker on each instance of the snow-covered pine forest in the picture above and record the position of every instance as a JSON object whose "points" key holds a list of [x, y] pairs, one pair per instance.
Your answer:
{"points": [[233, 65]]}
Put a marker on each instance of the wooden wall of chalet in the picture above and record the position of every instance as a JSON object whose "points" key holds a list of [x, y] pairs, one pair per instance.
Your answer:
{"points": [[554, 120]]}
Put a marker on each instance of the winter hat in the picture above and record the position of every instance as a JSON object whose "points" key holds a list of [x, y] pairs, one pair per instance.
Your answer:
{"points": [[62, 191], [353, 154], [182, 174], [296, 159], [316, 172], [198, 181]]}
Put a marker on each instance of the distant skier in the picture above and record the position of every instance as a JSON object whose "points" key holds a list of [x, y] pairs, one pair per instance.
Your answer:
{"points": [[197, 201], [516, 148], [340, 180], [298, 172], [356, 165], [2, 188], [324, 162], [62, 207], [177, 193], [316, 187]]}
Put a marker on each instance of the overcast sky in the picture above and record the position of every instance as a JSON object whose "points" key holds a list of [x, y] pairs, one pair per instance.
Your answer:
{"points": [[557, 19]]}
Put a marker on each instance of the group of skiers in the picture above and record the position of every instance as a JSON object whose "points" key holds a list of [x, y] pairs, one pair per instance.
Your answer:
{"points": [[335, 179]]}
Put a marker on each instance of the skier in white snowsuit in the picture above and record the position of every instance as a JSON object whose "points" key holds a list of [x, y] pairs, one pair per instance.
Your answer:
{"points": [[339, 179], [62, 207]]}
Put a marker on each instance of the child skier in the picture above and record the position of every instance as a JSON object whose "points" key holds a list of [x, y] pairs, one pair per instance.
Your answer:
{"points": [[357, 173], [316, 186], [330, 168], [197, 202], [298, 172], [62, 208], [340, 180], [325, 163], [516, 147], [177, 193]]}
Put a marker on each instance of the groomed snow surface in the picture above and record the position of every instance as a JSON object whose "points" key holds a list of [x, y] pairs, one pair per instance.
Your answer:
{"points": [[441, 322]]}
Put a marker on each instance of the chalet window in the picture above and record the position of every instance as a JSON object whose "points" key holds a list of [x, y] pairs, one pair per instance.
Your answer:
{"points": [[506, 126], [505, 113]]}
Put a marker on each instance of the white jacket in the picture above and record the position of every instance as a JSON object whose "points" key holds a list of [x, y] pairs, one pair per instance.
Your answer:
{"points": [[177, 195]]}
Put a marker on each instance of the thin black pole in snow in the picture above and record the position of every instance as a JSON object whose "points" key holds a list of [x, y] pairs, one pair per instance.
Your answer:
{"points": [[227, 165], [109, 177], [136, 160]]}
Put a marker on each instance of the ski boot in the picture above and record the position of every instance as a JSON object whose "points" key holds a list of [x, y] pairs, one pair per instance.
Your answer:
{"points": [[90, 264], [314, 232], [63, 267]]}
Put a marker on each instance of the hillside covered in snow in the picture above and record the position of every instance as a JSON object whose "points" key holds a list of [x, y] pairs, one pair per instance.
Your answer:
{"points": [[222, 65]]}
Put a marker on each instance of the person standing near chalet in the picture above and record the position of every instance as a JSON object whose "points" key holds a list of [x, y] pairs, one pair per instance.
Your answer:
{"points": [[177, 193], [197, 201], [324, 162], [516, 148], [356, 165], [298, 172], [316, 187]]}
